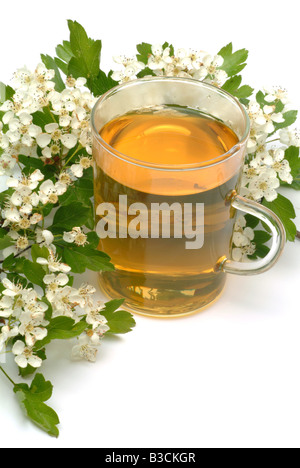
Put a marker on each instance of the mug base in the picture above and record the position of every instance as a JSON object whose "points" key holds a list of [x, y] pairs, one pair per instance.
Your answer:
{"points": [[175, 303]]}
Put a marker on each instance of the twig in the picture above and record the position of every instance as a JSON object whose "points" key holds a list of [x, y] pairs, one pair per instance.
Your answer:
{"points": [[298, 235], [7, 376]]}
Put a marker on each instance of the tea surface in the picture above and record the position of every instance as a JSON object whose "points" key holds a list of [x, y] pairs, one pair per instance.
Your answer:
{"points": [[169, 136]]}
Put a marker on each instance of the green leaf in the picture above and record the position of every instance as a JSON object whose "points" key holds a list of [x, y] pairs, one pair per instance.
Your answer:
{"points": [[234, 62], [86, 59], [70, 216], [261, 251], [82, 258], [90, 221], [260, 98], [5, 242], [145, 72], [119, 321], [37, 251], [50, 63], [93, 240], [81, 191], [166, 45], [290, 118], [286, 212], [4, 196], [144, 50], [32, 403], [6, 92], [103, 83], [233, 87], [62, 328], [292, 156], [42, 118], [34, 273], [252, 221], [31, 164], [261, 237], [64, 51]]}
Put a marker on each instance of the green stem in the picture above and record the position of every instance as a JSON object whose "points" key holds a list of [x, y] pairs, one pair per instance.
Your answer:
{"points": [[272, 141], [72, 156], [7, 376], [53, 118]]}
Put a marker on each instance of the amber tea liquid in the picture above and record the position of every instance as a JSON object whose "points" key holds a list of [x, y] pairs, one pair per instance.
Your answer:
{"points": [[160, 276]]}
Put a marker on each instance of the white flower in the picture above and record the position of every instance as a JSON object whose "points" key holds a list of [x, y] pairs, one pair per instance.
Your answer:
{"points": [[275, 160], [5, 334], [85, 349], [131, 68], [159, 58], [73, 83], [30, 182], [82, 295], [10, 214], [84, 163], [240, 254], [76, 235], [7, 164], [21, 243], [290, 137], [54, 264], [25, 356], [32, 305], [11, 289], [31, 329], [94, 318], [276, 94], [53, 283], [44, 238], [264, 185], [49, 191], [61, 302], [25, 199], [6, 306]]}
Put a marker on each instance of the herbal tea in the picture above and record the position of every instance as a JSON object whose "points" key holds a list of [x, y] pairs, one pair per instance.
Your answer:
{"points": [[160, 274]]}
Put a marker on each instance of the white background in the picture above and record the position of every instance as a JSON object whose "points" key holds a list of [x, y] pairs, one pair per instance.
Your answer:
{"points": [[229, 376]]}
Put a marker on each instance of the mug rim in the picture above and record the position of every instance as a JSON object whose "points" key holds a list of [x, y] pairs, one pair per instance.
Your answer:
{"points": [[171, 167]]}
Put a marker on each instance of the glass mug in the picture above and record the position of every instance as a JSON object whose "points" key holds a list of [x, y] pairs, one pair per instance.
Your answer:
{"points": [[166, 275]]}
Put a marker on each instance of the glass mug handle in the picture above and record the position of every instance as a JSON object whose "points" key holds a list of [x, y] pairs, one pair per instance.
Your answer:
{"points": [[278, 238]]}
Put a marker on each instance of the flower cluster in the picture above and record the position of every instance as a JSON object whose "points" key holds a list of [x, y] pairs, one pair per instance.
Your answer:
{"points": [[24, 312], [242, 240], [53, 127], [266, 166], [163, 61], [22, 127]]}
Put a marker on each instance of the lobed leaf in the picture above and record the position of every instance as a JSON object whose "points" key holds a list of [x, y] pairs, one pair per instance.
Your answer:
{"points": [[119, 321], [32, 403], [284, 209], [234, 62]]}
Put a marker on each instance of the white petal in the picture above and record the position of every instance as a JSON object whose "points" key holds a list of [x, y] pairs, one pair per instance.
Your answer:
{"points": [[68, 237], [48, 279], [77, 170], [18, 348], [42, 261], [50, 128], [35, 361], [43, 140], [21, 361], [48, 236], [69, 140]]}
